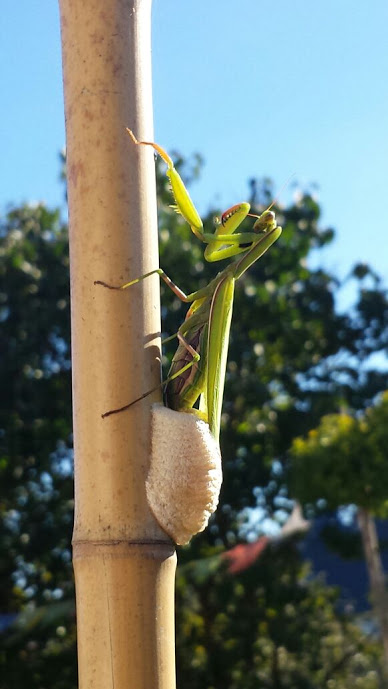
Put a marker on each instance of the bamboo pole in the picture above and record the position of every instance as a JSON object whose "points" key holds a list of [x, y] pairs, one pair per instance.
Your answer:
{"points": [[124, 563]]}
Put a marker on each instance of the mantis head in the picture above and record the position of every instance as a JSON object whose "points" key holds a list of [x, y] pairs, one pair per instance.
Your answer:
{"points": [[265, 222]]}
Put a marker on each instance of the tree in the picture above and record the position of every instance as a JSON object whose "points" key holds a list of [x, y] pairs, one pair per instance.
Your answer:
{"points": [[293, 358], [270, 626], [343, 461], [36, 508]]}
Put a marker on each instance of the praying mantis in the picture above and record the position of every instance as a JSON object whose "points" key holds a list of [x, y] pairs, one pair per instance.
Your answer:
{"points": [[198, 367]]}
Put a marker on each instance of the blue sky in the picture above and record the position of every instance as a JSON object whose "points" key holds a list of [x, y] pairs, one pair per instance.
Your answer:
{"points": [[258, 87]]}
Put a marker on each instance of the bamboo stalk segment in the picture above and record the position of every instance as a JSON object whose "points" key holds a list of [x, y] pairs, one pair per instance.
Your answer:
{"points": [[123, 587]]}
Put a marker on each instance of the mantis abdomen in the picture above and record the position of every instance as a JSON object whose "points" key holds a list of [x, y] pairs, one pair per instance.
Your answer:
{"points": [[183, 390]]}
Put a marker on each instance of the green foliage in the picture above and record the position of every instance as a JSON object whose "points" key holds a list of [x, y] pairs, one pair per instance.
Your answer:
{"points": [[344, 461], [292, 359], [269, 627], [36, 505]]}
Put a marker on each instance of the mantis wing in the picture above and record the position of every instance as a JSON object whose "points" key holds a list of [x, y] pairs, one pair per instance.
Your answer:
{"points": [[217, 350]]}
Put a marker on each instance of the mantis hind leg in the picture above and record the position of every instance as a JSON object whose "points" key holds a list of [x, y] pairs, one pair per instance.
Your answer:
{"points": [[158, 271], [169, 339], [195, 359]]}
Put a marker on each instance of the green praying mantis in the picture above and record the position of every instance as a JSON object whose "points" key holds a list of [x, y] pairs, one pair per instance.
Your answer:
{"points": [[198, 367]]}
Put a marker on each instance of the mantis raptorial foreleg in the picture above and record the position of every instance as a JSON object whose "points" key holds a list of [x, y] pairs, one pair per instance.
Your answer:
{"points": [[199, 364], [230, 220]]}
